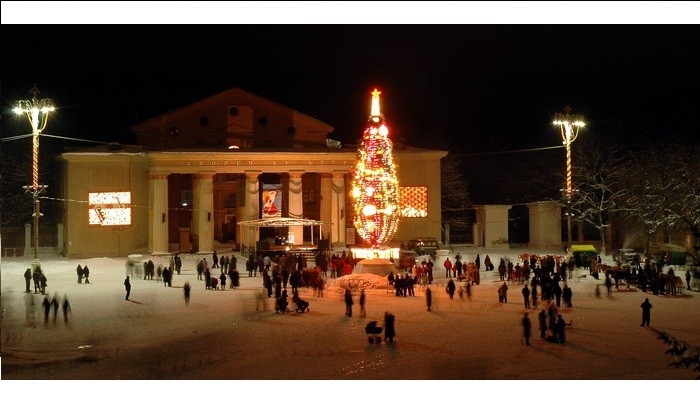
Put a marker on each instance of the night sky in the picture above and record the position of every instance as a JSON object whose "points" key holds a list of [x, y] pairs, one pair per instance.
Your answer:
{"points": [[470, 89]]}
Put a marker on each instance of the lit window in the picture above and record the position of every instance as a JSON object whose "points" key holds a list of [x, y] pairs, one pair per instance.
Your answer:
{"points": [[186, 198], [413, 201], [109, 208]]}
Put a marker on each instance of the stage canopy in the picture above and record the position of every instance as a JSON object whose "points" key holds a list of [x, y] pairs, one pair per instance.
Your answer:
{"points": [[280, 222]]}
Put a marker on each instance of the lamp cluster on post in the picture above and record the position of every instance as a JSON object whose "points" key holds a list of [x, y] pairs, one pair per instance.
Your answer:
{"points": [[569, 124], [37, 111]]}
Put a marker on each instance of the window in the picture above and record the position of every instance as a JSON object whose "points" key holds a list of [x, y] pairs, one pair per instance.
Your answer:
{"points": [[309, 196], [186, 198], [413, 201], [109, 208]]}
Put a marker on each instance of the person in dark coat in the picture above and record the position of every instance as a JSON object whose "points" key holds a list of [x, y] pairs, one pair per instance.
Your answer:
{"points": [[178, 263], [646, 312], [86, 274], [222, 277], [186, 288], [36, 277], [47, 307], [42, 281], [235, 279], [566, 295], [54, 305], [527, 328], [428, 297], [27, 280], [451, 288], [561, 326], [79, 271], [66, 308], [526, 296], [542, 318], [363, 298], [348, 303], [389, 329], [215, 260], [127, 287]]}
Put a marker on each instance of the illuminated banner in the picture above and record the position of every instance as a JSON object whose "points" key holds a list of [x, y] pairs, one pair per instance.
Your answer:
{"points": [[272, 200], [109, 208]]}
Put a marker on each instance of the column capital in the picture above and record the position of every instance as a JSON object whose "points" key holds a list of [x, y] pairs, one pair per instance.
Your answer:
{"points": [[203, 175], [296, 174], [252, 174]]}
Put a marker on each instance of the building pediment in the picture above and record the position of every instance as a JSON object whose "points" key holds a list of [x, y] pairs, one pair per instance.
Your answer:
{"points": [[235, 118]]}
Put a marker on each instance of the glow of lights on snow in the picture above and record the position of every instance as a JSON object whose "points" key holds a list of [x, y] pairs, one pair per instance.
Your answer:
{"points": [[389, 253], [375, 186], [109, 208]]}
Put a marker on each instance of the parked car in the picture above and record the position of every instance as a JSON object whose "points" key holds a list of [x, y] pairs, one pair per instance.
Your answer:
{"points": [[625, 255], [423, 246]]}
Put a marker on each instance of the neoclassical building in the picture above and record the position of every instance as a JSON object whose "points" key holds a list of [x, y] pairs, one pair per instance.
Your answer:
{"points": [[199, 171]]}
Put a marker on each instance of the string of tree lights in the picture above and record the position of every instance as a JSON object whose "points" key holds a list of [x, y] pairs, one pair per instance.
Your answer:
{"points": [[375, 186]]}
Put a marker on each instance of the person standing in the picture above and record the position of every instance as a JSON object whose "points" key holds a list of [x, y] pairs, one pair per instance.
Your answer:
{"points": [[561, 326], [86, 274], [428, 297], [526, 296], [79, 271], [127, 287], [469, 290], [566, 295], [222, 278], [448, 267], [178, 263], [451, 288], [389, 329], [348, 303], [646, 312], [542, 318], [527, 328], [186, 289], [687, 278], [28, 280], [36, 277], [363, 313], [42, 281], [215, 260]]}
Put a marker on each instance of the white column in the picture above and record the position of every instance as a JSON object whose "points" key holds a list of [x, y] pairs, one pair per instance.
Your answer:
{"points": [[252, 207], [203, 210], [158, 212], [296, 205], [338, 209], [326, 206]]}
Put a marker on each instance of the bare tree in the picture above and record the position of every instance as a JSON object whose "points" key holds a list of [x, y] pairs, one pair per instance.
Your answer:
{"points": [[599, 185], [666, 190], [456, 204]]}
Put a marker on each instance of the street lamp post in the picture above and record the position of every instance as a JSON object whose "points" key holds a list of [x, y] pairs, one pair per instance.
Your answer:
{"points": [[569, 125], [37, 111]]}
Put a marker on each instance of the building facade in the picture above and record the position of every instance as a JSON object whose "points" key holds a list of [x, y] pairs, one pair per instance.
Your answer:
{"points": [[200, 170]]}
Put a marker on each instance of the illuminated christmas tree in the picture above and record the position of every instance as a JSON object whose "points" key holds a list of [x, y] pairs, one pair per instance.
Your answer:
{"points": [[375, 187]]}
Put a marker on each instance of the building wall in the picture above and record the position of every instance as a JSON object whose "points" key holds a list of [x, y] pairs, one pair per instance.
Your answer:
{"points": [[545, 225], [416, 168], [84, 174]]}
